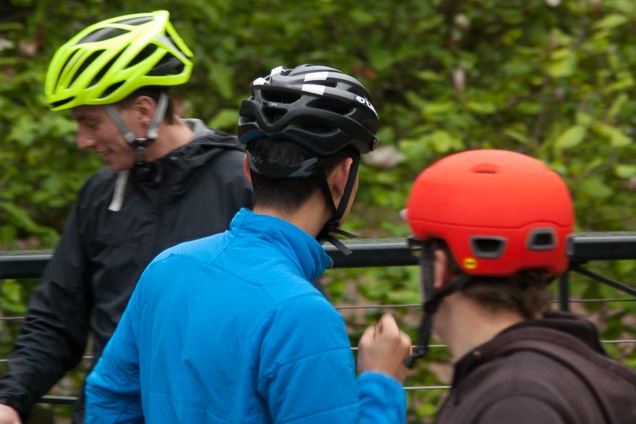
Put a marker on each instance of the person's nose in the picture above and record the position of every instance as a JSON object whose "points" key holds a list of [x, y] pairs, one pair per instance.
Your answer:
{"points": [[84, 141]]}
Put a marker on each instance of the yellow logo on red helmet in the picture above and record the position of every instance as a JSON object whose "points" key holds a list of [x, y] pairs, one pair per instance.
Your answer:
{"points": [[470, 263]]}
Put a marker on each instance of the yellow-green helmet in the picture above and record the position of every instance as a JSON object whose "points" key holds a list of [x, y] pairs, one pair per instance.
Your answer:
{"points": [[109, 60]]}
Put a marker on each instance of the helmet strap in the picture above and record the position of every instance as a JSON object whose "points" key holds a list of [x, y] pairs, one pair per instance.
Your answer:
{"points": [[432, 300], [333, 224], [140, 143]]}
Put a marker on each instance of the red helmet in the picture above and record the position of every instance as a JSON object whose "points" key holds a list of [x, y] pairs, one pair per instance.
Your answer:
{"points": [[499, 212]]}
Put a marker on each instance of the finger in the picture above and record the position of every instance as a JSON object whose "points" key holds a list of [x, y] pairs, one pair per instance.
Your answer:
{"points": [[389, 325], [369, 334], [406, 340]]}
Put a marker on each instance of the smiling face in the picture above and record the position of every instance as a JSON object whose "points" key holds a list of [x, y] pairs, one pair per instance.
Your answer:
{"points": [[96, 131]]}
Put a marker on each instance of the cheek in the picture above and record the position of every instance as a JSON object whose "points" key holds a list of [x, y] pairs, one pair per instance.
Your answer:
{"points": [[113, 139]]}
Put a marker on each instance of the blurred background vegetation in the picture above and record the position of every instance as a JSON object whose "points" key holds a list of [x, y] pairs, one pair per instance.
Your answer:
{"points": [[549, 78]]}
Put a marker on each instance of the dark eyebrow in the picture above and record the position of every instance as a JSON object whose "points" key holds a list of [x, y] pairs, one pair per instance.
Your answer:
{"points": [[87, 118]]}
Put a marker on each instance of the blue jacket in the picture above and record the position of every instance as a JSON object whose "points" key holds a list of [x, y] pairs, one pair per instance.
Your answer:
{"points": [[229, 329]]}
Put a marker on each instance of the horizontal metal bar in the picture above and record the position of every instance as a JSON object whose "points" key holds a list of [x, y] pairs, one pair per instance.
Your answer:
{"points": [[596, 246], [582, 247], [58, 400], [23, 264], [412, 388], [370, 253]]}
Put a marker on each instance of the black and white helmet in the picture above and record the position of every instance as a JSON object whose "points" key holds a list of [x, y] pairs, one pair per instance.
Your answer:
{"points": [[320, 108]]}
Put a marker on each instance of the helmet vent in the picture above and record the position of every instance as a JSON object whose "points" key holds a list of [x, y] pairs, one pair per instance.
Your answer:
{"points": [[485, 168], [103, 34], [280, 96], [63, 67], [487, 247], [89, 60], [332, 106], [111, 89], [142, 55], [168, 65], [319, 129], [134, 21], [273, 114], [542, 239], [98, 77], [62, 102]]}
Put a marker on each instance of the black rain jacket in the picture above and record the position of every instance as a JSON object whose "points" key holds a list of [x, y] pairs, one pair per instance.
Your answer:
{"points": [[192, 192]]}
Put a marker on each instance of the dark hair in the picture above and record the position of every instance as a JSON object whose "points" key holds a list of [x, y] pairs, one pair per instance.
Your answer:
{"points": [[153, 92], [525, 292], [289, 194]]}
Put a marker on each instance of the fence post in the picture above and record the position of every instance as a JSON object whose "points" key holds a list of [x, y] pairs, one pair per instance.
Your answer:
{"points": [[564, 291]]}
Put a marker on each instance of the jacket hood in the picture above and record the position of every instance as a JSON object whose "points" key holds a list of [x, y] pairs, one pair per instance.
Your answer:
{"points": [[205, 146], [175, 168], [567, 323]]}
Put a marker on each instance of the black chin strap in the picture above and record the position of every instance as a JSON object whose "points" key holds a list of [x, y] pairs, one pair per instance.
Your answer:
{"points": [[333, 224], [431, 303]]}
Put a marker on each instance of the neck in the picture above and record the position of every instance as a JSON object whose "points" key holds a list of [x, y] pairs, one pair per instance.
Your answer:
{"points": [[464, 325], [310, 217], [170, 138]]}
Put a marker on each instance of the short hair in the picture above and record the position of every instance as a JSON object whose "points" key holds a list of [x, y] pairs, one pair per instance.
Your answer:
{"points": [[525, 292], [289, 194], [153, 92]]}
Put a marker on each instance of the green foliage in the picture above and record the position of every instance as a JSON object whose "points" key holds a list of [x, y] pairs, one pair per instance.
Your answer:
{"points": [[554, 82]]}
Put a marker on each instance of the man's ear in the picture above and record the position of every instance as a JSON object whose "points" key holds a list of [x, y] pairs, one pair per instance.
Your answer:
{"points": [[144, 107], [246, 169], [441, 273], [339, 177]]}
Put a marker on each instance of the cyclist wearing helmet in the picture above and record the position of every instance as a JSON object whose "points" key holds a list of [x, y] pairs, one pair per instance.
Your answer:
{"points": [[167, 181], [229, 328], [490, 228]]}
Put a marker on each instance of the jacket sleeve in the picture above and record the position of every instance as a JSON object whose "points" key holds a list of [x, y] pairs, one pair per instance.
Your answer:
{"points": [[53, 337], [382, 399], [113, 388], [308, 372]]}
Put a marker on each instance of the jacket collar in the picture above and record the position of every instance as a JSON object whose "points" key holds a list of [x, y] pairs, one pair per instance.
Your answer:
{"points": [[561, 328], [299, 246]]}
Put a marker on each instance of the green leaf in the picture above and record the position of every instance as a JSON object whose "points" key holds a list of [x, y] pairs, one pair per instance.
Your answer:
{"points": [[382, 59], [572, 137], [611, 21], [441, 141], [221, 77], [481, 107], [594, 188], [21, 218], [616, 137], [225, 119], [438, 108], [429, 76], [625, 171], [563, 64], [583, 118]]}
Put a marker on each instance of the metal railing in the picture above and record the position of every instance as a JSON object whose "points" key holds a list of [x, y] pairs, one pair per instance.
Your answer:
{"points": [[582, 248]]}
